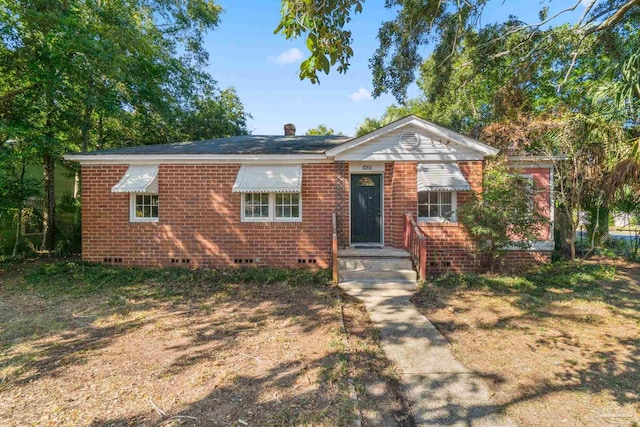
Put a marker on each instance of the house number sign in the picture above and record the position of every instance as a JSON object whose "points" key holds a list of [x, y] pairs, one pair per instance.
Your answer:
{"points": [[359, 167]]}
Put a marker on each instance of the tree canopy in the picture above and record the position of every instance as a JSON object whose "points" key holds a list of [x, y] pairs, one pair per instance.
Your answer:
{"points": [[80, 75], [321, 130], [446, 25]]}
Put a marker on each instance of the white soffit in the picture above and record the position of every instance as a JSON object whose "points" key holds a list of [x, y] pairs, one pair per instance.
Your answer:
{"points": [[138, 179], [269, 179], [441, 177]]}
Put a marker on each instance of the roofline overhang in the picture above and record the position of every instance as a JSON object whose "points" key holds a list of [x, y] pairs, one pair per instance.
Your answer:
{"points": [[449, 134], [132, 159]]}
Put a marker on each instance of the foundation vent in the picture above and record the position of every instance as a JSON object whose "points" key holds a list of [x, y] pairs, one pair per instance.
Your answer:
{"points": [[180, 261], [311, 261], [245, 261], [440, 264], [112, 260]]}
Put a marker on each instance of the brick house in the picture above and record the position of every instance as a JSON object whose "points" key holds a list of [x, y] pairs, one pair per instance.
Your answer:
{"points": [[270, 200]]}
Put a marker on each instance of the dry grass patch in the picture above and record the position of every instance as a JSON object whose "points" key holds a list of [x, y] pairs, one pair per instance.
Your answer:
{"points": [[559, 345], [94, 345]]}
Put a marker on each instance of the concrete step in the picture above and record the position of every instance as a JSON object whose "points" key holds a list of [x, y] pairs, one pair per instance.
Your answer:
{"points": [[374, 264], [381, 275], [374, 252], [352, 285]]}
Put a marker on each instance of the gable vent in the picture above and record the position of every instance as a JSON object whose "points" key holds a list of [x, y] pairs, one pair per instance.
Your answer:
{"points": [[410, 140]]}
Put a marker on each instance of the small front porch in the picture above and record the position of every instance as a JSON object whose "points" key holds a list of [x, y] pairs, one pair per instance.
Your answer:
{"points": [[372, 266], [375, 268]]}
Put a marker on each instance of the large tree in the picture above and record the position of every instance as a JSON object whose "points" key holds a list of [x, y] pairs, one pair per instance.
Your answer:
{"points": [[443, 24], [78, 75]]}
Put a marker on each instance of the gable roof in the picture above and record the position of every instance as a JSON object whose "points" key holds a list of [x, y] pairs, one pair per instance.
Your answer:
{"points": [[245, 144], [259, 148], [414, 120]]}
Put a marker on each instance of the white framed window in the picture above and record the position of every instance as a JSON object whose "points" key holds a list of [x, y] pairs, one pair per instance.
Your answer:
{"points": [[287, 206], [271, 207], [144, 207], [530, 189], [437, 206], [256, 207]]}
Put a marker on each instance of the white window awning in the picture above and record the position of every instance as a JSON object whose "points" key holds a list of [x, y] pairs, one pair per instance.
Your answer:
{"points": [[269, 179], [441, 177], [138, 179]]}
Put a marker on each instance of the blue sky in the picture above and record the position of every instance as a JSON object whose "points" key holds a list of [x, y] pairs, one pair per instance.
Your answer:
{"points": [[263, 67]]}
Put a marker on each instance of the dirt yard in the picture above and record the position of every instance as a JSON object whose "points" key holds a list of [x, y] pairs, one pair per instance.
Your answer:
{"points": [[100, 346], [558, 347]]}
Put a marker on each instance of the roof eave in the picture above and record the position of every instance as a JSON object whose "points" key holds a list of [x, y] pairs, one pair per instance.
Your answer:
{"points": [[193, 158]]}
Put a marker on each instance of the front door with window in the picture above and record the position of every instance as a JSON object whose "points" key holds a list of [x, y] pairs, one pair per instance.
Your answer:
{"points": [[366, 209]]}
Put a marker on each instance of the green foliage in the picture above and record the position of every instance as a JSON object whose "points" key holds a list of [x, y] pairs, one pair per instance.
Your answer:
{"points": [[504, 215], [77, 75], [450, 26], [214, 116], [627, 202], [15, 186], [323, 26], [321, 130], [370, 124], [76, 279], [539, 287]]}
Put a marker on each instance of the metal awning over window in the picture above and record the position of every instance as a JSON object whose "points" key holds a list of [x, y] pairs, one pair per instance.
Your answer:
{"points": [[268, 179], [138, 179], [441, 177]]}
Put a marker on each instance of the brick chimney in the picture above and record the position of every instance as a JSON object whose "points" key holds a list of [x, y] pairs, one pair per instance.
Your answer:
{"points": [[289, 129]]}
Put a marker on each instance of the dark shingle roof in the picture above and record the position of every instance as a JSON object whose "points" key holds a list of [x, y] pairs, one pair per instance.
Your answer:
{"points": [[247, 144]]}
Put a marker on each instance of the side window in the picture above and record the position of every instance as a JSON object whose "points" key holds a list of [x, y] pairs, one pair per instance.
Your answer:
{"points": [[436, 205], [144, 207]]}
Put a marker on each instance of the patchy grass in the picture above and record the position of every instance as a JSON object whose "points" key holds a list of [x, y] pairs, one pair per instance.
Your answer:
{"points": [[84, 344], [560, 344]]}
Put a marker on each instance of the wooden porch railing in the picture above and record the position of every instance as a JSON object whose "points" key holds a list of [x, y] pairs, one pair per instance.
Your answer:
{"points": [[334, 249], [416, 244]]}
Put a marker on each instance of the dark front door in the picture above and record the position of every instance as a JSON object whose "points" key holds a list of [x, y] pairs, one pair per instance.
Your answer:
{"points": [[365, 209]]}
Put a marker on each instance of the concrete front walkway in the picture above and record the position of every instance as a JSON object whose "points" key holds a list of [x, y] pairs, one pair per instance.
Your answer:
{"points": [[441, 392]]}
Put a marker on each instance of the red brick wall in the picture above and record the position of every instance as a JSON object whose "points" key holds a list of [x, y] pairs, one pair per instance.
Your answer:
{"points": [[400, 196], [448, 245], [542, 195], [200, 220]]}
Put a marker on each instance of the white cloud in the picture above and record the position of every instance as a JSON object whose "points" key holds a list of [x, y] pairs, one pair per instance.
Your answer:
{"points": [[360, 95], [289, 56]]}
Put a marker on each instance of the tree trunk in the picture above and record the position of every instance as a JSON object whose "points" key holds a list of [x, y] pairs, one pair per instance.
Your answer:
{"points": [[598, 226], [16, 244], [572, 242], [100, 131], [20, 209], [86, 126], [49, 223]]}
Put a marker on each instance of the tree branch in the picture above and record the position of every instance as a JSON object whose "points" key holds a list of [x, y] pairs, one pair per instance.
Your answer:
{"points": [[17, 92], [613, 19]]}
